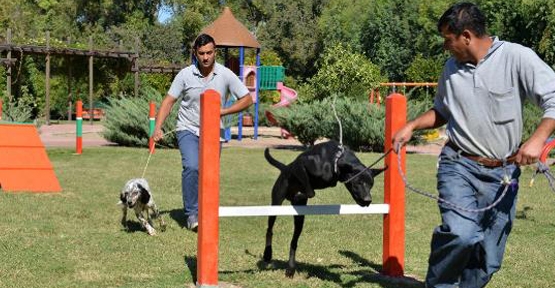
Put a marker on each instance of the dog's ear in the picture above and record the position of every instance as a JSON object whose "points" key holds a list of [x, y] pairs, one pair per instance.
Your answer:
{"points": [[376, 172], [145, 194], [122, 199]]}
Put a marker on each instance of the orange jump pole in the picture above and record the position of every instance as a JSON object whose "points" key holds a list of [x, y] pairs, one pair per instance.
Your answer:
{"points": [[209, 190], [394, 190], [79, 123], [152, 122], [0, 109]]}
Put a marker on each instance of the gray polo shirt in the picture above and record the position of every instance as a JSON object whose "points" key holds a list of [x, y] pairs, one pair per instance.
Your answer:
{"points": [[483, 104], [189, 84]]}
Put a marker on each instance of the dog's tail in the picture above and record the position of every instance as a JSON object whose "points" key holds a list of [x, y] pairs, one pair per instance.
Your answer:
{"points": [[273, 161]]}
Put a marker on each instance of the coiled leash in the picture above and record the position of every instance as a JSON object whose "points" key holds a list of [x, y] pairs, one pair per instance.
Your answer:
{"points": [[151, 151], [507, 182], [543, 168]]}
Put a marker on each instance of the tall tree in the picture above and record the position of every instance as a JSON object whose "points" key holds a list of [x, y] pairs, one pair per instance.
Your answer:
{"points": [[290, 28], [340, 23]]}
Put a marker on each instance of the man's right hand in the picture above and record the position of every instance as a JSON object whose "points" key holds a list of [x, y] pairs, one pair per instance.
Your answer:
{"points": [[401, 137], [158, 135]]}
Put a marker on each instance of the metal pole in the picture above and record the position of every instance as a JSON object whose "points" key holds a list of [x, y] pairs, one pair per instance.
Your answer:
{"points": [[256, 104], [241, 76]]}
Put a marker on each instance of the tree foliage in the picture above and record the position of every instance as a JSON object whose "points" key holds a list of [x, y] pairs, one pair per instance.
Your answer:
{"points": [[382, 40], [290, 29], [341, 70]]}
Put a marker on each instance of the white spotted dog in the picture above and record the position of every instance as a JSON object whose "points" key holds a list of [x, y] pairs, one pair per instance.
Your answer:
{"points": [[136, 195]]}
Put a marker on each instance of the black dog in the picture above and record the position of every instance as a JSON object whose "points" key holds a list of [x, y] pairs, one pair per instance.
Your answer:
{"points": [[317, 168]]}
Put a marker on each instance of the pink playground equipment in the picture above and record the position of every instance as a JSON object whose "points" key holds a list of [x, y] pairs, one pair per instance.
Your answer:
{"points": [[250, 81], [287, 96], [258, 78]]}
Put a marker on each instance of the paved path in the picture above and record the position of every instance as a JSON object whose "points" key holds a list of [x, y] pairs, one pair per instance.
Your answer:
{"points": [[63, 135]]}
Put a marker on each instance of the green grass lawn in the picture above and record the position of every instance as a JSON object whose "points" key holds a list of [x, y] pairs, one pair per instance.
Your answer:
{"points": [[74, 238]]}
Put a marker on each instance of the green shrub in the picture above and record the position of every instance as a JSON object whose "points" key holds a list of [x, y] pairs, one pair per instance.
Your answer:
{"points": [[363, 124], [262, 120], [127, 122], [17, 111], [306, 121]]}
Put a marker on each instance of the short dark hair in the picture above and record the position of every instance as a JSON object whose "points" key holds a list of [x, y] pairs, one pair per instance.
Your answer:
{"points": [[463, 16], [202, 40]]}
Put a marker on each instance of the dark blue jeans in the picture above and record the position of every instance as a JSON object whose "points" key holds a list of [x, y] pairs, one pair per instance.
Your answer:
{"points": [[189, 147], [467, 248]]}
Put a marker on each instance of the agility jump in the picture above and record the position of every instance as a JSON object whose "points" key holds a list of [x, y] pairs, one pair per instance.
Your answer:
{"points": [[209, 209]]}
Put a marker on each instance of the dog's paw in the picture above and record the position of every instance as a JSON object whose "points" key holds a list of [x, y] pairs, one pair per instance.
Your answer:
{"points": [[290, 272], [125, 227], [150, 231]]}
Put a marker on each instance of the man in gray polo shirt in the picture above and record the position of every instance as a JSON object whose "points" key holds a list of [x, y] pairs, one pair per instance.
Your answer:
{"points": [[480, 95], [188, 86]]}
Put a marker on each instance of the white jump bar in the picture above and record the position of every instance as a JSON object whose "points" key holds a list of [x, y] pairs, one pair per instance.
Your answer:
{"points": [[239, 211]]}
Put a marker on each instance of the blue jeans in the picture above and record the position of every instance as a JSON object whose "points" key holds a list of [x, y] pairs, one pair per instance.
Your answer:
{"points": [[189, 147], [467, 248]]}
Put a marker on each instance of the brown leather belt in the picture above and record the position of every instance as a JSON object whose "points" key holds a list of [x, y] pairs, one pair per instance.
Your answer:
{"points": [[486, 162]]}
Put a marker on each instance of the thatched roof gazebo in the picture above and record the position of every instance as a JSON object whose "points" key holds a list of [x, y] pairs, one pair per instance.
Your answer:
{"points": [[228, 32]]}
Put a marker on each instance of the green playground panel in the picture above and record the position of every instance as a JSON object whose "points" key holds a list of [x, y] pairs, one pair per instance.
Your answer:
{"points": [[269, 76]]}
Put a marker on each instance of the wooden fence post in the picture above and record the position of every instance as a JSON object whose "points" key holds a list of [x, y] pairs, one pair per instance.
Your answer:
{"points": [[47, 80], [91, 81]]}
